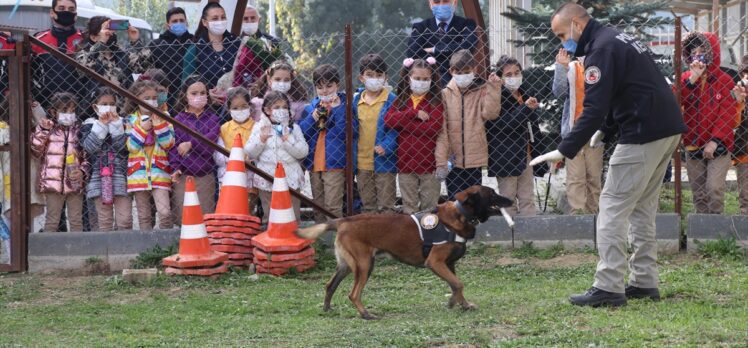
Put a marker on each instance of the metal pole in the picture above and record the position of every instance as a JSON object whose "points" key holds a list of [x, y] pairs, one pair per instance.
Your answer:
{"points": [[348, 120], [678, 68], [715, 17], [271, 18], [125, 93], [19, 102], [236, 26]]}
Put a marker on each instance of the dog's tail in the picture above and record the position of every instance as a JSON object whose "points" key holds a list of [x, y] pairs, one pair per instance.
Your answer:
{"points": [[313, 232]]}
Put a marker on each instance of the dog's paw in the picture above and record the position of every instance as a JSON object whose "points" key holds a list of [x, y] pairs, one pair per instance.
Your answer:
{"points": [[469, 306], [452, 302], [326, 308], [367, 316]]}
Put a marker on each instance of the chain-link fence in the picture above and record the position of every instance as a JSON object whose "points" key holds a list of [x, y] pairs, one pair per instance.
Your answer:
{"points": [[430, 118]]}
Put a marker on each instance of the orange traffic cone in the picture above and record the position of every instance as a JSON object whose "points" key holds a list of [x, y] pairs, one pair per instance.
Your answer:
{"points": [[234, 197], [194, 247], [281, 222]]}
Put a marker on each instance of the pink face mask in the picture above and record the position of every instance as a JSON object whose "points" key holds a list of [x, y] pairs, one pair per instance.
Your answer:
{"points": [[198, 102]]}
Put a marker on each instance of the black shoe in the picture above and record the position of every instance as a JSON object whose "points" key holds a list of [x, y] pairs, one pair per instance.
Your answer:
{"points": [[595, 297], [634, 292]]}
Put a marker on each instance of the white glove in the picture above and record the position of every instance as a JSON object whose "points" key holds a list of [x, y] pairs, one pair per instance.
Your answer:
{"points": [[597, 139], [553, 156]]}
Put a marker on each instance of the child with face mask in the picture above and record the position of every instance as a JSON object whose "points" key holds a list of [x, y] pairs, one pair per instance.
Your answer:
{"points": [[418, 116], [377, 144], [280, 77], [324, 124], [63, 165], [469, 102], [104, 141], [190, 156], [240, 109], [511, 139], [148, 172], [276, 138]]}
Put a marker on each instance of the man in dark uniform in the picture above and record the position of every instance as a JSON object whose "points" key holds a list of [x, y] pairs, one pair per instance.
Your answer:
{"points": [[50, 75], [623, 91], [168, 50], [442, 35]]}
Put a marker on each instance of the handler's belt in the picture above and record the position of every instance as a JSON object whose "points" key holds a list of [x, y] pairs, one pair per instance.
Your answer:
{"points": [[433, 232]]}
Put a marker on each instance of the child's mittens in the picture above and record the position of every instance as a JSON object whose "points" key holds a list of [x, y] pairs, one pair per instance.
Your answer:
{"points": [[441, 173], [116, 127], [100, 129]]}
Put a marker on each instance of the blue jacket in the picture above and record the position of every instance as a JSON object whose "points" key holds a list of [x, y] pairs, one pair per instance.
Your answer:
{"points": [[335, 138], [386, 137]]}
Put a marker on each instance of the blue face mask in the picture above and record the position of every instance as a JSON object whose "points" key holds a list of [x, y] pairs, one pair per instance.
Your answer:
{"points": [[162, 97], [570, 45], [178, 29], [442, 13]]}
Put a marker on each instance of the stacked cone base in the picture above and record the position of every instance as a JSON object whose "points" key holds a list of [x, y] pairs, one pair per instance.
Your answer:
{"points": [[204, 272], [278, 257], [292, 244], [190, 261], [229, 241], [281, 271]]}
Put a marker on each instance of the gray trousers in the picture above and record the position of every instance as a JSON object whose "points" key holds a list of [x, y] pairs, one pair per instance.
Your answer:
{"points": [[628, 205]]}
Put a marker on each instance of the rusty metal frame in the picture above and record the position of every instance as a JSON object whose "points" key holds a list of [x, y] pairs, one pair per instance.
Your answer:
{"points": [[19, 101]]}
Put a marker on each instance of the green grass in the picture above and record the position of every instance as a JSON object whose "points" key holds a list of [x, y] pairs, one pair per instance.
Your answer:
{"points": [[521, 298], [667, 201]]}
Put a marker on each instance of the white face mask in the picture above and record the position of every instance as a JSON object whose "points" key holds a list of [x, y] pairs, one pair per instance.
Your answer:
{"points": [[464, 80], [66, 119], [374, 84], [151, 102], [513, 83], [328, 98], [280, 86], [419, 87], [103, 109], [240, 116], [217, 27], [280, 116], [250, 28]]}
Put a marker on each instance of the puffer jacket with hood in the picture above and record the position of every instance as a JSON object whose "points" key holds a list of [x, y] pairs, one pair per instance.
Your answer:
{"points": [[708, 108], [52, 146], [464, 131]]}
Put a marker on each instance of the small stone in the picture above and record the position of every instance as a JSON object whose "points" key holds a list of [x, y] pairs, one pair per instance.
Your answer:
{"points": [[255, 277], [139, 275]]}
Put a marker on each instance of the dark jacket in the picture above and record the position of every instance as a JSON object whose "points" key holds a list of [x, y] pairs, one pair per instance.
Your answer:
{"points": [[203, 60], [51, 75], [168, 53], [460, 35], [624, 90], [6, 43], [509, 136]]}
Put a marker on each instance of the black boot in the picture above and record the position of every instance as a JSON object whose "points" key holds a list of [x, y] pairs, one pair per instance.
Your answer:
{"points": [[595, 297], [634, 292]]}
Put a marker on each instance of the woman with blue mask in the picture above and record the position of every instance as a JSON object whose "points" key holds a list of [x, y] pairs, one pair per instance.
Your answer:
{"points": [[168, 50], [442, 35]]}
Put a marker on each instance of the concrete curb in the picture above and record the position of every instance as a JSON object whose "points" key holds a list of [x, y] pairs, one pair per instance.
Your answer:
{"points": [[703, 227]]}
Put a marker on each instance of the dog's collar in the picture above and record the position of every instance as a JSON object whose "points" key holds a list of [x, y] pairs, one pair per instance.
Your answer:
{"points": [[468, 216]]}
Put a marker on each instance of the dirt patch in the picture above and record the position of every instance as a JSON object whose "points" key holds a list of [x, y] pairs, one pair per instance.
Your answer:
{"points": [[566, 261], [509, 261], [502, 333]]}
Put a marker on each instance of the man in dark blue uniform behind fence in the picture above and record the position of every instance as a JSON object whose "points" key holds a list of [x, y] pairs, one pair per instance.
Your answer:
{"points": [[624, 91]]}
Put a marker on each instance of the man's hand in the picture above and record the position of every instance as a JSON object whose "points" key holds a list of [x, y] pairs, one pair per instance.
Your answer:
{"points": [[709, 149], [739, 93], [175, 176], [563, 58], [429, 50], [597, 139], [553, 156]]}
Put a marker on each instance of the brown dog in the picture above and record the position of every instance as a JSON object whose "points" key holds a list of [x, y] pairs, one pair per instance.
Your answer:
{"points": [[426, 244]]}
